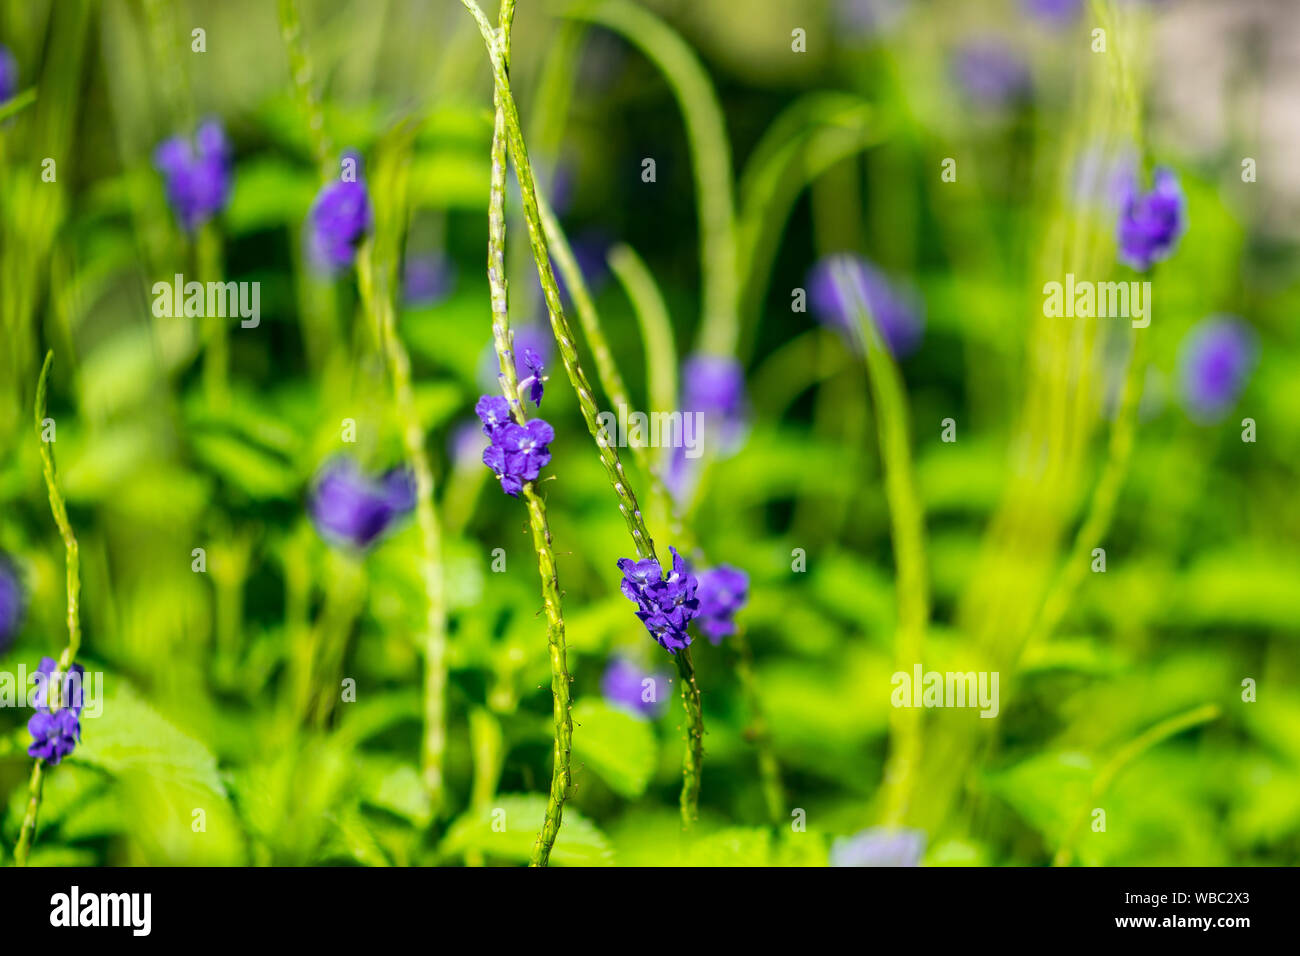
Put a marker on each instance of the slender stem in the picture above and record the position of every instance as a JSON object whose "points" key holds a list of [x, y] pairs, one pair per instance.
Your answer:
{"points": [[706, 133], [216, 356], [656, 327], [376, 269], [768, 769], [1125, 756], [907, 528], [560, 680], [300, 70], [641, 539], [73, 580]]}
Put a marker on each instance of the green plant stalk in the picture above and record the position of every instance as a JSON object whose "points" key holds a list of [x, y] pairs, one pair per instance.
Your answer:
{"points": [[907, 528], [656, 327], [72, 564], [300, 70], [216, 357], [17, 103], [769, 770], [1125, 756], [641, 540], [376, 267], [537, 520], [706, 133]]}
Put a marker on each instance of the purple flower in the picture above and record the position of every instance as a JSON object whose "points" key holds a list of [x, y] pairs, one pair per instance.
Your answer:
{"points": [[665, 603], [353, 509], [1151, 223], [70, 690], [427, 279], [528, 337], [54, 736], [517, 453], [1214, 362], [723, 591], [11, 601], [533, 365], [633, 690], [842, 283], [991, 73], [339, 219], [1054, 13], [879, 846], [466, 443], [8, 74], [868, 16], [55, 733], [197, 174]]}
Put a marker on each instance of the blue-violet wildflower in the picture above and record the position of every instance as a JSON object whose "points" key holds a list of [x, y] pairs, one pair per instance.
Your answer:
{"points": [[666, 603], [1151, 223], [1214, 361], [879, 846], [535, 381], [55, 733], [354, 509], [198, 174], [517, 453], [840, 284], [339, 220], [722, 592], [633, 690], [11, 601]]}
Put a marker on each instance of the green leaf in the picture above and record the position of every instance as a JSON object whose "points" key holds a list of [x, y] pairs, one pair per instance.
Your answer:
{"points": [[617, 746], [518, 819]]}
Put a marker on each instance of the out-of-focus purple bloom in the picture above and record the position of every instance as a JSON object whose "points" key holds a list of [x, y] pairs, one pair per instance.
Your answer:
{"points": [[339, 220], [991, 72], [354, 509], [1151, 223], [8, 74], [517, 453], [197, 174], [868, 17], [633, 690], [879, 846], [1054, 13], [722, 592], [665, 603], [55, 733], [466, 443], [1214, 361], [533, 365], [841, 283], [712, 386], [527, 337], [11, 601], [427, 279]]}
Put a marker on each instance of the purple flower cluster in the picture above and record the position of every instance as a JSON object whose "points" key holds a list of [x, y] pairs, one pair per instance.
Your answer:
{"points": [[879, 846], [723, 591], [55, 733], [666, 603], [535, 380], [198, 174], [339, 220], [11, 601], [517, 453], [1214, 362], [1151, 223], [625, 687], [841, 283], [353, 509], [8, 75]]}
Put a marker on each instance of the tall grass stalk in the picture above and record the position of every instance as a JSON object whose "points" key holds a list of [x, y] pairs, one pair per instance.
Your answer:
{"points": [[907, 527], [641, 540], [706, 133], [377, 276], [303, 76], [72, 570]]}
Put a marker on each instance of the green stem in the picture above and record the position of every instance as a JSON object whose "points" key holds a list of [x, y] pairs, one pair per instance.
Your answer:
{"points": [[907, 528], [641, 540], [706, 133], [216, 356], [300, 70], [73, 581], [376, 271], [1125, 756], [656, 327], [769, 770]]}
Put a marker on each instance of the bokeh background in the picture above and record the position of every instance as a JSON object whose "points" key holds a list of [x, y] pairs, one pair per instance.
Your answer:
{"points": [[835, 147]]}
